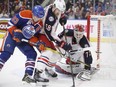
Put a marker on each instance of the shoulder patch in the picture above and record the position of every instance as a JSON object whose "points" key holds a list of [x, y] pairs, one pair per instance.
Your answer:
{"points": [[51, 18]]}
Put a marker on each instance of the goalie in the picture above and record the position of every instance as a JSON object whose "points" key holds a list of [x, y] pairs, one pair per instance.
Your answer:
{"points": [[78, 53]]}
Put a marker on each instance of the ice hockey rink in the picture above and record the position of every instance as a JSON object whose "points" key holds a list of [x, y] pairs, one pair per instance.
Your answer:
{"points": [[13, 71]]}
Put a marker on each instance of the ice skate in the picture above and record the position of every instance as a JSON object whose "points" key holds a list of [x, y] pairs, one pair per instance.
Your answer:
{"points": [[39, 78], [84, 75], [27, 78], [51, 73], [94, 70]]}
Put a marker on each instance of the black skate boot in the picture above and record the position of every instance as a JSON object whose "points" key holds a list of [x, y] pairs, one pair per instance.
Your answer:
{"points": [[38, 78], [27, 78], [51, 73]]}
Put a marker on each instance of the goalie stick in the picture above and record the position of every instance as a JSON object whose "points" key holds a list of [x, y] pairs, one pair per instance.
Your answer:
{"points": [[73, 79]]}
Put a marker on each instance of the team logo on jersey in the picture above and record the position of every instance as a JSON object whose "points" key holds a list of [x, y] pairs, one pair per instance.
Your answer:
{"points": [[51, 18], [8, 45]]}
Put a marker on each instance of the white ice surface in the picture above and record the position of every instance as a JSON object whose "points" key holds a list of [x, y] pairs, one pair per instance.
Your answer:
{"points": [[13, 71]]}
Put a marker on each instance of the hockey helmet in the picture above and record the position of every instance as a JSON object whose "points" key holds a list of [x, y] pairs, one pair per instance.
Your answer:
{"points": [[78, 31], [28, 31], [60, 4], [38, 11]]}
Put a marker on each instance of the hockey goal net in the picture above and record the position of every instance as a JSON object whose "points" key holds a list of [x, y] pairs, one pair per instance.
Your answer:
{"points": [[103, 37]]}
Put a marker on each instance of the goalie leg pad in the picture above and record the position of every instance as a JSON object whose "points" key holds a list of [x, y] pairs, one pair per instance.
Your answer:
{"points": [[64, 68], [88, 59]]}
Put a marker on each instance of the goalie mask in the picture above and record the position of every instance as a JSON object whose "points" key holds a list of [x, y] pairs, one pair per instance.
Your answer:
{"points": [[28, 31], [78, 32]]}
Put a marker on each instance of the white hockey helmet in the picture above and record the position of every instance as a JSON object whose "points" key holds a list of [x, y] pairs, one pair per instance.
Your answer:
{"points": [[60, 4], [78, 31]]}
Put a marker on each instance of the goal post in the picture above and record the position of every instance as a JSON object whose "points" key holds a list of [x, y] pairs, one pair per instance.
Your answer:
{"points": [[104, 32]]}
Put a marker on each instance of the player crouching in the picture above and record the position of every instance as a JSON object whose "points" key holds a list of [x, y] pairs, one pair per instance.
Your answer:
{"points": [[79, 53]]}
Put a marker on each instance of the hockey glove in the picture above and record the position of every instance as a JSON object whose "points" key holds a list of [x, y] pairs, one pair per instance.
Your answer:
{"points": [[40, 46], [64, 45], [63, 19], [18, 36]]}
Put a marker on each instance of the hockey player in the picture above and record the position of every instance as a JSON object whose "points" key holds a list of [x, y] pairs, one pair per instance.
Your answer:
{"points": [[53, 16], [79, 50], [23, 25]]}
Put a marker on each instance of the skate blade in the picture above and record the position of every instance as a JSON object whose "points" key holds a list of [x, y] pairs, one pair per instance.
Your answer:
{"points": [[53, 78], [79, 77], [29, 84], [42, 84]]}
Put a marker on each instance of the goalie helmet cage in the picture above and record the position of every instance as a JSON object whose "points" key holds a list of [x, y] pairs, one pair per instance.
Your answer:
{"points": [[104, 31]]}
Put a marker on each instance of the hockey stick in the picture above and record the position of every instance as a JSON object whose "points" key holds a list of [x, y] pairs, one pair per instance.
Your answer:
{"points": [[63, 55], [73, 79], [25, 40], [34, 44]]}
